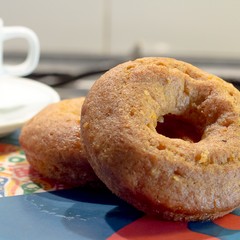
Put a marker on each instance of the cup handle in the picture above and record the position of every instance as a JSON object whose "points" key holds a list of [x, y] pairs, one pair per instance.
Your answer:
{"points": [[32, 59]]}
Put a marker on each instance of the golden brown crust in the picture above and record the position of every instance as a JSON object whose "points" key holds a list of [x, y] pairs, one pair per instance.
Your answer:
{"points": [[191, 179], [53, 146]]}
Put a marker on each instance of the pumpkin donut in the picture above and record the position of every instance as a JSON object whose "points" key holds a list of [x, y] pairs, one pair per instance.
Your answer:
{"points": [[164, 136], [52, 143]]}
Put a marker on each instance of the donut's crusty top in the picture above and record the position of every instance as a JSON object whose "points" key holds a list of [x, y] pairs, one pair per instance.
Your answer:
{"points": [[53, 146], [173, 177]]}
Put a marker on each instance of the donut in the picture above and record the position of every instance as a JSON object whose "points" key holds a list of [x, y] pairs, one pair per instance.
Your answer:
{"points": [[164, 136], [52, 144]]}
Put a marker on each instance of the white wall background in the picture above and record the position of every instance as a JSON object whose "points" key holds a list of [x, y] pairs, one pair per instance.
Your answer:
{"points": [[182, 27]]}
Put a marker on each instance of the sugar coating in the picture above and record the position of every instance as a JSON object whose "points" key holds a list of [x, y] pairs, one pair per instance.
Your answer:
{"points": [[53, 146], [174, 178]]}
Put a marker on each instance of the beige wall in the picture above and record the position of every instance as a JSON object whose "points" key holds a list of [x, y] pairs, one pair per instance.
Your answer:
{"points": [[184, 27]]}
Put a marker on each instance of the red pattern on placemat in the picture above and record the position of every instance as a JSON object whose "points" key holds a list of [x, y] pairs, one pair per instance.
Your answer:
{"points": [[230, 221], [149, 228], [7, 148]]}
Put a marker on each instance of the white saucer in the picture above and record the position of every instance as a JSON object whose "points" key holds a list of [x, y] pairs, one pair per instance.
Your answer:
{"points": [[20, 100]]}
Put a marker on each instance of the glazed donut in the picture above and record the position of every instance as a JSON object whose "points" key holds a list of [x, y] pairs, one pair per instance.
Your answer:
{"points": [[164, 136], [53, 146]]}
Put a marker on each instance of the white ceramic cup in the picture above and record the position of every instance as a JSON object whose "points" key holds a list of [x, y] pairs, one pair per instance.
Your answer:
{"points": [[31, 61]]}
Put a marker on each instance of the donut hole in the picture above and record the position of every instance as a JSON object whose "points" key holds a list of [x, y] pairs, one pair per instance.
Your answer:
{"points": [[175, 126]]}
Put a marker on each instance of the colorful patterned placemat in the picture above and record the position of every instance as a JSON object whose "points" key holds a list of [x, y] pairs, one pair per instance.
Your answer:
{"points": [[17, 177], [42, 209]]}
